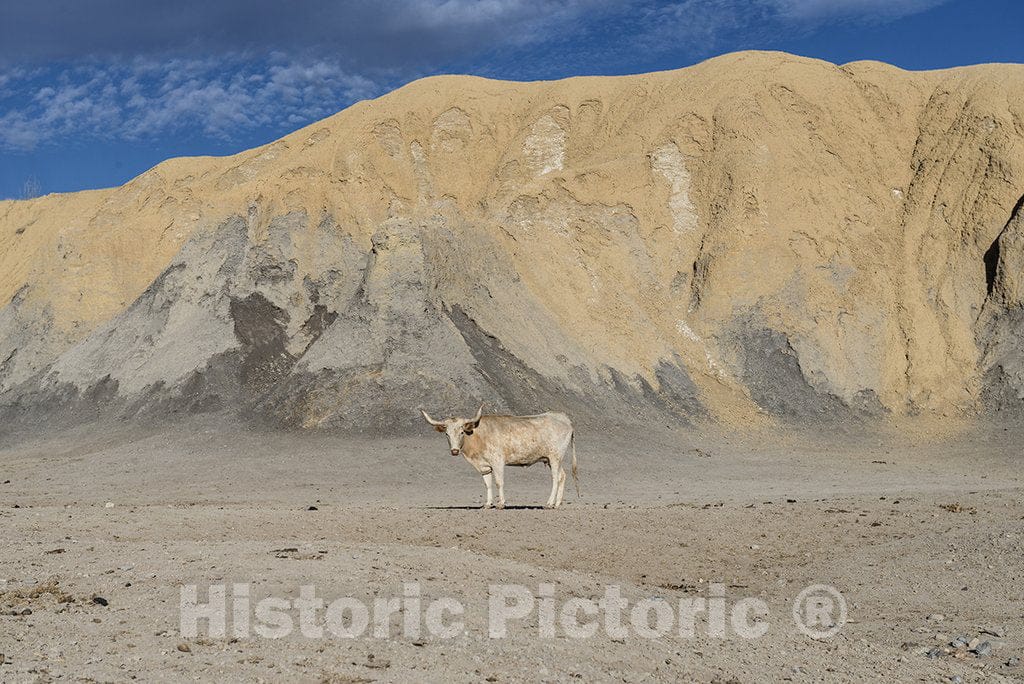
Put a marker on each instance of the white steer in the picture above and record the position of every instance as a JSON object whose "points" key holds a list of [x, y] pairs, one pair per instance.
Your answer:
{"points": [[490, 443]]}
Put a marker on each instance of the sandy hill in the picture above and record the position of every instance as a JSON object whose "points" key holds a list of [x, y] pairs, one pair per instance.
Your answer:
{"points": [[759, 238]]}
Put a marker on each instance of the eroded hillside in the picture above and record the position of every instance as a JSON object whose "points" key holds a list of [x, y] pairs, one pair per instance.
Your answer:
{"points": [[757, 238]]}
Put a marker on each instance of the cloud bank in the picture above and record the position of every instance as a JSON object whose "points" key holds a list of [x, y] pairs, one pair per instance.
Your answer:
{"points": [[147, 98], [361, 34]]}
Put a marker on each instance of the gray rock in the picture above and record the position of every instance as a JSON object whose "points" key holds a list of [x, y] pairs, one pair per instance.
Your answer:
{"points": [[983, 649]]}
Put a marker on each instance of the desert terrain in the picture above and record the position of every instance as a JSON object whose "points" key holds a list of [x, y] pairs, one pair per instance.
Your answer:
{"points": [[925, 543], [781, 300]]}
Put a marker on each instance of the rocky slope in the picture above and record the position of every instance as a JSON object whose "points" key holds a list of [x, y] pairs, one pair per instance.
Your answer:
{"points": [[759, 238]]}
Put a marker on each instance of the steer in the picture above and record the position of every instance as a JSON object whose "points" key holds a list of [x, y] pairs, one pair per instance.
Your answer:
{"points": [[490, 443]]}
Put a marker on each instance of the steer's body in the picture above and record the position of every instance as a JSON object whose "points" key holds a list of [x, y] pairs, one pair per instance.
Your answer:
{"points": [[489, 443]]}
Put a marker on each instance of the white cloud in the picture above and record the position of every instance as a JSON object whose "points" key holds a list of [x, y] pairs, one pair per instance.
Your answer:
{"points": [[817, 10], [702, 27], [10, 75], [222, 97]]}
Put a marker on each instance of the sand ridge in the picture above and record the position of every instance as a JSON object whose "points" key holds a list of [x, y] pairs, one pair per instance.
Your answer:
{"points": [[760, 237]]}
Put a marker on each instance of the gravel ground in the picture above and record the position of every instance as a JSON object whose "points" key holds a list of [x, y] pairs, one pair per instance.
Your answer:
{"points": [[103, 528]]}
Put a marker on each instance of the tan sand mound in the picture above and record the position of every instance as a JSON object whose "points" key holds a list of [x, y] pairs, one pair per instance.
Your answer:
{"points": [[759, 237]]}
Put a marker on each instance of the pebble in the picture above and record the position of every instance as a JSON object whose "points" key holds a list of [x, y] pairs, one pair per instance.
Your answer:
{"points": [[957, 679], [936, 617], [983, 649], [109, 504], [1013, 662], [99, 600], [312, 508], [184, 648], [27, 611]]}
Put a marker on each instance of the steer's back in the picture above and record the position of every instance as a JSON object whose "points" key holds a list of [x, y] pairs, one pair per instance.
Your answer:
{"points": [[524, 440]]}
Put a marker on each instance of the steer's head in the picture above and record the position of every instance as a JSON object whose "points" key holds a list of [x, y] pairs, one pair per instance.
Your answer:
{"points": [[456, 429]]}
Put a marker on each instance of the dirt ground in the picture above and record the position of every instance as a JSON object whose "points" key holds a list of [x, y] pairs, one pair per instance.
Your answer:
{"points": [[102, 528]]}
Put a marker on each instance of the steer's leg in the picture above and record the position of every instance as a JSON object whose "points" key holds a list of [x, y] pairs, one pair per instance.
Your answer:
{"points": [[561, 487], [489, 481], [555, 469], [499, 482]]}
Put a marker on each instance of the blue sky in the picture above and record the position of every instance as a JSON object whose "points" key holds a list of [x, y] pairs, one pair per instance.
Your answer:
{"points": [[94, 92]]}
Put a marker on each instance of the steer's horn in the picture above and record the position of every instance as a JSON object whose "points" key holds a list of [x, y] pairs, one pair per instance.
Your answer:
{"points": [[430, 420], [479, 413]]}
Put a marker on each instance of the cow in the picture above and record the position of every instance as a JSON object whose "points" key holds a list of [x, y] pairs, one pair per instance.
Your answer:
{"points": [[490, 443]]}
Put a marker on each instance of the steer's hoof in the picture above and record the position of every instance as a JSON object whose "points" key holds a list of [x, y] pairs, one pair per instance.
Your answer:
{"points": [[501, 507], [487, 506], [550, 506]]}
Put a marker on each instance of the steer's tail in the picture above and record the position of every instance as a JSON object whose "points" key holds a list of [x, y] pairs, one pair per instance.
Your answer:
{"points": [[575, 477]]}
